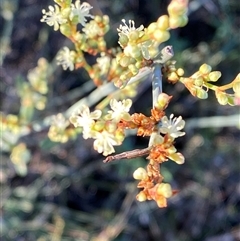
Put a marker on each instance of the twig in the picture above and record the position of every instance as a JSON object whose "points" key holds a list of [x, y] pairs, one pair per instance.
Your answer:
{"points": [[128, 154]]}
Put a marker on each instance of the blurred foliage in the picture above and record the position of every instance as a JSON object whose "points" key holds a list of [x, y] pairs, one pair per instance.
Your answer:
{"points": [[63, 191]]}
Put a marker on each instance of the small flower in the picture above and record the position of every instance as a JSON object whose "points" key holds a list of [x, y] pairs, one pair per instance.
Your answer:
{"points": [[104, 142], [57, 131], [172, 126], [53, 17], [119, 110], [81, 11], [92, 29], [66, 58], [86, 120], [126, 30], [60, 121], [104, 64]]}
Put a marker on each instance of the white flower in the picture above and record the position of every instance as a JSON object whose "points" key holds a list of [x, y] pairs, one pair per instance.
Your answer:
{"points": [[53, 17], [119, 110], [104, 142], [86, 120], [104, 64], [172, 126], [125, 29], [60, 121], [81, 11], [66, 58], [92, 29]]}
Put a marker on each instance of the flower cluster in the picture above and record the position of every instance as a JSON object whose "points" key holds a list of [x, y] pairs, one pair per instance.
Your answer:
{"points": [[177, 10], [60, 14], [66, 17], [202, 81], [108, 131], [104, 129], [20, 156], [60, 131], [150, 178], [162, 149], [136, 50]]}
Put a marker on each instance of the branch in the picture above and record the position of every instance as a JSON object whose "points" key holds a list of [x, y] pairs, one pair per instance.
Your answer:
{"points": [[128, 154]]}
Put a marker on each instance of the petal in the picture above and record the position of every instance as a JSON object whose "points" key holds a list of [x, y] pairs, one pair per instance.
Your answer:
{"points": [[96, 114], [177, 157]]}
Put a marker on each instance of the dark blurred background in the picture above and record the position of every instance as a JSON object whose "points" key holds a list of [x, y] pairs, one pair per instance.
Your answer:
{"points": [[69, 193]]}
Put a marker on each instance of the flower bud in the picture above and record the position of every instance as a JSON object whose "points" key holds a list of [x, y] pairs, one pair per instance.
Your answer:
{"points": [[221, 97], [163, 22], [65, 12], [123, 40], [105, 19], [65, 30], [124, 61], [133, 35], [201, 93], [98, 19], [162, 101], [205, 69], [99, 125], [232, 100], [175, 21], [184, 20], [176, 8], [198, 81], [134, 70], [152, 27], [165, 190], [60, 2], [119, 135], [141, 197], [172, 150], [236, 87], [214, 76], [180, 72], [173, 77], [140, 174], [110, 126], [161, 36]]}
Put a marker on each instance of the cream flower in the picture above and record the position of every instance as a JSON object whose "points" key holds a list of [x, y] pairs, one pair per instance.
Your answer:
{"points": [[104, 142], [53, 17], [81, 11], [66, 58], [104, 64], [86, 120], [126, 30], [92, 29], [172, 126], [60, 121], [119, 110]]}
